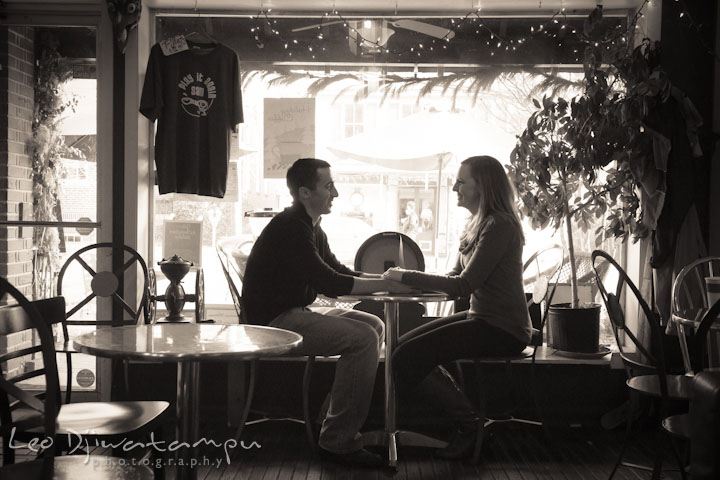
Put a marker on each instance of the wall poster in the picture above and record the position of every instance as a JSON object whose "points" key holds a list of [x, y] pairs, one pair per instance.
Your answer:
{"points": [[288, 133]]}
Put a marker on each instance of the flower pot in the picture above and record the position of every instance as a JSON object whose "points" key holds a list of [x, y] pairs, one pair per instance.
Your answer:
{"points": [[574, 329]]}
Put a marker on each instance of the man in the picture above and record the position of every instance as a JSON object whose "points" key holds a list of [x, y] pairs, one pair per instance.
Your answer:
{"points": [[289, 265]]}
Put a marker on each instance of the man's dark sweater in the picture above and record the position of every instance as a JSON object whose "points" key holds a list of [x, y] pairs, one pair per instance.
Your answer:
{"points": [[289, 265]]}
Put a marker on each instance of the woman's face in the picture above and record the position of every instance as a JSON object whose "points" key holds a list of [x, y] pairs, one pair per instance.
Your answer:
{"points": [[467, 189]]}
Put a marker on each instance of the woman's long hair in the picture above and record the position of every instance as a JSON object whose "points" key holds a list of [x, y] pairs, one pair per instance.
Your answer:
{"points": [[497, 196]]}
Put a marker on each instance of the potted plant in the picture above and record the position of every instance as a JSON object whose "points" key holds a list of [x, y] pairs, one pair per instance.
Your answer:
{"points": [[576, 159]]}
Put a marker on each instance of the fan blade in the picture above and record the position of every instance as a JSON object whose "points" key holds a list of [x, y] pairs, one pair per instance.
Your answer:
{"points": [[317, 25], [425, 28]]}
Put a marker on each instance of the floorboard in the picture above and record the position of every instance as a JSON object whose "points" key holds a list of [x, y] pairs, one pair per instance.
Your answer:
{"points": [[510, 452]]}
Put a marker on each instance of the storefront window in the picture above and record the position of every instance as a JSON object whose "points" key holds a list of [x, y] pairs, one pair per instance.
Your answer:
{"points": [[394, 155]]}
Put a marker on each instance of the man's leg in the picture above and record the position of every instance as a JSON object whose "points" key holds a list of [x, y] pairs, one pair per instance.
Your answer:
{"points": [[357, 343]]}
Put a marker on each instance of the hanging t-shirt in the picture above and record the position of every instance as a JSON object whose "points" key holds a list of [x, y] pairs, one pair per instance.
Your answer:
{"points": [[195, 97]]}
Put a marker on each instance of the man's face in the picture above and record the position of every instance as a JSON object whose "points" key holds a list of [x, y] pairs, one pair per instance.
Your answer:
{"points": [[319, 200]]}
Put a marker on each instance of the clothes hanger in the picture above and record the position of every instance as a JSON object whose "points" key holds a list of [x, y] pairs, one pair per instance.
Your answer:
{"points": [[202, 38]]}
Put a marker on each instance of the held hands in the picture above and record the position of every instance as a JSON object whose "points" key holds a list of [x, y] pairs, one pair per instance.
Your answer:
{"points": [[395, 273]]}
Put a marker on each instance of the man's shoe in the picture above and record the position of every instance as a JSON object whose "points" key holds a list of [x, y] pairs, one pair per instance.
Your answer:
{"points": [[358, 458]]}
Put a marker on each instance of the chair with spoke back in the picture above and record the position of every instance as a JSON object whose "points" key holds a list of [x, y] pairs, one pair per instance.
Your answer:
{"points": [[30, 409], [85, 276]]}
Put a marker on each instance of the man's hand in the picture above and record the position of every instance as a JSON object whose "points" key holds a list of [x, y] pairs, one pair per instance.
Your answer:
{"points": [[395, 273]]}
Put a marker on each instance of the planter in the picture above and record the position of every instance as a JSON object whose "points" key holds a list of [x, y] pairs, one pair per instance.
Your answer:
{"points": [[574, 329]]}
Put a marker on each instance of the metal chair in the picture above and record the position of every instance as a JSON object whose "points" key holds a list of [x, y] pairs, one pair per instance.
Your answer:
{"points": [[104, 284], [233, 273], [546, 263], [689, 300], [30, 401], [679, 426], [644, 364]]}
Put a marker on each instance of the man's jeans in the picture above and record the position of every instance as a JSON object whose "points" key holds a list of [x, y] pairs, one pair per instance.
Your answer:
{"points": [[355, 336]]}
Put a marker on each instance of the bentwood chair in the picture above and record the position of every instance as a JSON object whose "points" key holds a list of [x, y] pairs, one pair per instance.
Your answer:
{"points": [[232, 267], [30, 401], [644, 364], [689, 301], [679, 426], [540, 271]]}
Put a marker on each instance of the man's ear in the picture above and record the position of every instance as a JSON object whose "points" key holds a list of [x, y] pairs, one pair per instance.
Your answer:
{"points": [[304, 193]]}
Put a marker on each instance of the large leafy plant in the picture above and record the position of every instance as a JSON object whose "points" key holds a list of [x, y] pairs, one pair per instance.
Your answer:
{"points": [[578, 159]]}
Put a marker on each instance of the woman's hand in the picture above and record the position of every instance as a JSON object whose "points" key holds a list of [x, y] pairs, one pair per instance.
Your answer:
{"points": [[395, 273]]}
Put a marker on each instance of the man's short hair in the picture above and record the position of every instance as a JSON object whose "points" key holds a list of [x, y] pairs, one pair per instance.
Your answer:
{"points": [[303, 173]]}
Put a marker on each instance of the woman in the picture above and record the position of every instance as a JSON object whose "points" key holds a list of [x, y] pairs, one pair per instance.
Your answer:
{"points": [[489, 269]]}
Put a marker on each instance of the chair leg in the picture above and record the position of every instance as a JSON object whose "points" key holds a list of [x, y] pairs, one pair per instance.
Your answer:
{"points": [[681, 464], [628, 430], [248, 399], [481, 406], [8, 453], [307, 376]]}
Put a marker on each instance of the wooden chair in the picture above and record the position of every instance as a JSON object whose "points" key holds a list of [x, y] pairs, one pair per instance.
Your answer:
{"points": [[234, 275], [540, 270], [644, 364], [101, 421], [30, 401], [690, 302]]}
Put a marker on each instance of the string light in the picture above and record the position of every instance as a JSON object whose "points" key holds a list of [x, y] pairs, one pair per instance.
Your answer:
{"points": [[555, 26]]}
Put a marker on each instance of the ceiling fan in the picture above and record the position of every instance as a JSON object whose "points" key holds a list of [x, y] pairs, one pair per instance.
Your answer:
{"points": [[379, 31]]}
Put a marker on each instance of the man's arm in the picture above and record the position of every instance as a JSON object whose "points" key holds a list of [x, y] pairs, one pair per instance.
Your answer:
{"points": [[370, 275], [370, 285]]}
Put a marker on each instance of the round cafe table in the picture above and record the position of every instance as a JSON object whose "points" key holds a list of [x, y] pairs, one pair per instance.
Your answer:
{"points": [[187, 344], [391, 436]]}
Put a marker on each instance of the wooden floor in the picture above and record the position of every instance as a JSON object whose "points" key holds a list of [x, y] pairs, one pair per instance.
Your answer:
{"points": [[511, 452], [279, 450]]}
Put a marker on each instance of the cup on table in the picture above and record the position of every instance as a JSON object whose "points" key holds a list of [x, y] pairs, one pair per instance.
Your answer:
{"points": [[712, 288]]}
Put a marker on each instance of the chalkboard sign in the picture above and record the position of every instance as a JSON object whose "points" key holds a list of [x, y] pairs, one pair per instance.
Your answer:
{"points": [[183, 238], [289, 133]]}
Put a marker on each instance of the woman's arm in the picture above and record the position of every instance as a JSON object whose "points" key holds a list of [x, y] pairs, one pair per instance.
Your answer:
{"points": [[493, 240]]}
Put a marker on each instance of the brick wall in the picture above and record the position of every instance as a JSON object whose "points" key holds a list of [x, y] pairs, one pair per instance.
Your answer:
{"points": [[16, 111]]}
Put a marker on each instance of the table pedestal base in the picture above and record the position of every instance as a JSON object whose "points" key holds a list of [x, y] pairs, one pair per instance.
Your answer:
{"points": [[400, 438], [188, 414]]}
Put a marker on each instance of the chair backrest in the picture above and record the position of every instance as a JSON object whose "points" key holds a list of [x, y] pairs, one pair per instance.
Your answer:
{"points": [[29, 370], [711, 316], [229, 272], [542, 271], [688, 290], [104, 284], [382, 251], [643, 359]]}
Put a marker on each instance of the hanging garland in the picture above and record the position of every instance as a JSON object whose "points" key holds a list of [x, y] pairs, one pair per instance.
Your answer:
{"points": [[48, 149]]}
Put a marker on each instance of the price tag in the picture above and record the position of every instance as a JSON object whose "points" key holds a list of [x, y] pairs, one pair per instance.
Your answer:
{"points": [[173, 45]]}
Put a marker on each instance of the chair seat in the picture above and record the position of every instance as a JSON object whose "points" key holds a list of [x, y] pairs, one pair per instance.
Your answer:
{"points": [[678, 425], [73, 467], [679, 386], [101, 418]]}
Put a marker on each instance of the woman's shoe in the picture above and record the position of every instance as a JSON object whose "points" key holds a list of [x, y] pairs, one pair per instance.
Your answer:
{"points": [[462, 444]]}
